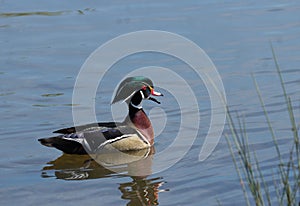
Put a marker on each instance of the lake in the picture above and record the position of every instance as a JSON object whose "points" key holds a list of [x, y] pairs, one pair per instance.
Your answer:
{"points": [[44, 45]]}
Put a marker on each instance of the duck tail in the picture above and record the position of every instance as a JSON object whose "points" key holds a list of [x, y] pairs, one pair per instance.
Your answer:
{"points": [[48, 142], [66, 146]]}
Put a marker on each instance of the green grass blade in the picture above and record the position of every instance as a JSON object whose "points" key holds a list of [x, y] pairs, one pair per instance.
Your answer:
{"points": [[267, 119], [266, 188], [279, 74], [237, 170]]}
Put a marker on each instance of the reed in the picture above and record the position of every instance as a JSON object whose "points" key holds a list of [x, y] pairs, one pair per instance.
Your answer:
{"points": [[254, 185]]}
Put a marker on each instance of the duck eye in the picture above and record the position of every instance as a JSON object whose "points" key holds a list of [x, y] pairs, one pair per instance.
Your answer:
{"points": [[146, 90]]}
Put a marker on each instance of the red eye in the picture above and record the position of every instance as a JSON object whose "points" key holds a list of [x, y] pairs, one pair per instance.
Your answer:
{"points": [[144, 88]]}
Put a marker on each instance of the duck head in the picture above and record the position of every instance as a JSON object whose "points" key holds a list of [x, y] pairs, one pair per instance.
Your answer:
{"points": [[135, 89]]}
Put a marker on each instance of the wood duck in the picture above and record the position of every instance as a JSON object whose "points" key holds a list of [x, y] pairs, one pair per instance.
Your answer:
{"points": [[134, 133]]}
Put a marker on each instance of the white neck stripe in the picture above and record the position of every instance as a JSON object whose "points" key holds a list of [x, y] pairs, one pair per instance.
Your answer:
{"points": [[143, 97], [136, 106]]}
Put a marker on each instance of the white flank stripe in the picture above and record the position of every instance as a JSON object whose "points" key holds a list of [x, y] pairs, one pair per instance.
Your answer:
{"points": [[143, 137], [115, 139]]}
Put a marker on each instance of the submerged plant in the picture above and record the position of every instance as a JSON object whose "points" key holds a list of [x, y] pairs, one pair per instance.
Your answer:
{"points": [[286, 186]]}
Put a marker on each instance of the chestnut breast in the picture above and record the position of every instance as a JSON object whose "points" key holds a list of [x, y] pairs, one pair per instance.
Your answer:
{"points": [[143, 124]]}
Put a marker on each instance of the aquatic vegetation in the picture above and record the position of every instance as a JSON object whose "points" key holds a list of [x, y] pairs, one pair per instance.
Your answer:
{"points": [[256, 186]]}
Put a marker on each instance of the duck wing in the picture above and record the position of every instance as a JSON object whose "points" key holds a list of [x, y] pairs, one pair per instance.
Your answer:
{"points": [[71, 130], [92, 140]]}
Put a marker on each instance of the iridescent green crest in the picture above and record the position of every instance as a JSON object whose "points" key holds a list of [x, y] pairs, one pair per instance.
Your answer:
{"points": [[129, 86]]}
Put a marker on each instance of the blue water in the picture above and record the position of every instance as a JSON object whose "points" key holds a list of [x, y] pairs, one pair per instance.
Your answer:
{"points": [[43, 46]]}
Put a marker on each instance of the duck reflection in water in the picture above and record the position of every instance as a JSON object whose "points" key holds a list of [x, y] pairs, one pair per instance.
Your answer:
{"points": [[142, 190]]}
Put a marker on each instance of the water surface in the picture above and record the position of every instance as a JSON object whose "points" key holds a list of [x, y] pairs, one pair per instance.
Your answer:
{"points": [[43, 47]]}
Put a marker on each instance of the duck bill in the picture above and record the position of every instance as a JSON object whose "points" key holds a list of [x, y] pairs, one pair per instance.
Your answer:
{"points": [[154, 93]]}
